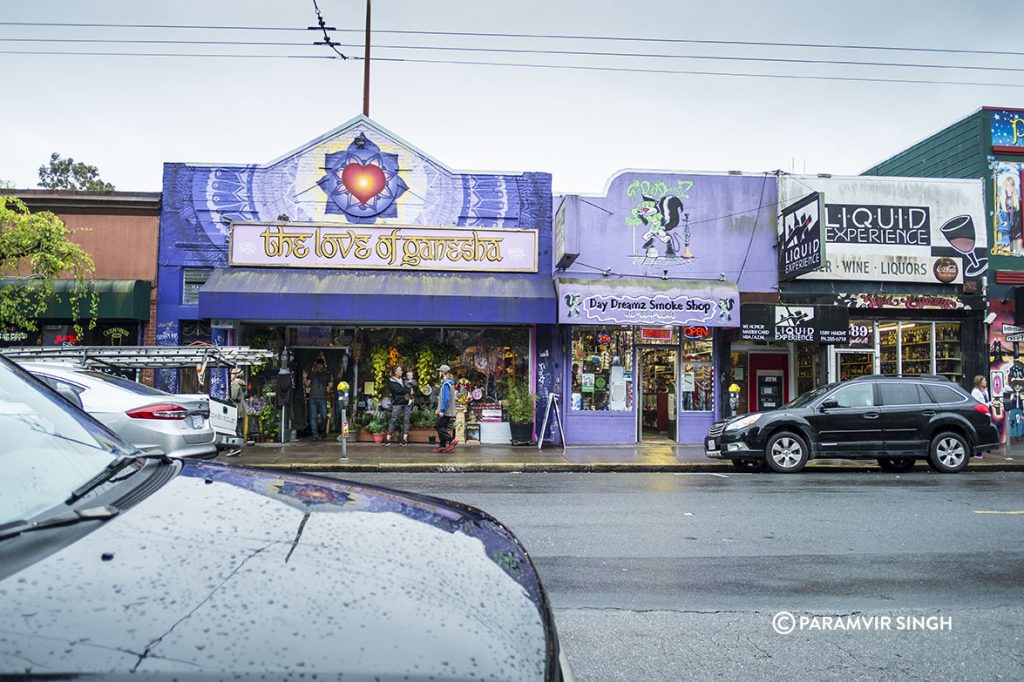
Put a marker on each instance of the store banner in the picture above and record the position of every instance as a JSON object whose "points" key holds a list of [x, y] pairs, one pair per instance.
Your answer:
{"points": [[902, 301], [648, 302], [802, 237], [393, 247], [911, 230], [823, 324]]}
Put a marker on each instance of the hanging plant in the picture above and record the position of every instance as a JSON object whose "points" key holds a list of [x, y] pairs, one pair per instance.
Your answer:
{"points": [[379, 365], [425, 365]]}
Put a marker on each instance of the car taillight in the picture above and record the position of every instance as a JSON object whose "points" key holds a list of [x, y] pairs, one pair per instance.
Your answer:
{"points": [[981, 407], [164, 411]]}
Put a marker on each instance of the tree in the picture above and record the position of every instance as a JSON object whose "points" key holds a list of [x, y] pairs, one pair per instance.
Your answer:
{"points": [[40, 243], [66, 174]]}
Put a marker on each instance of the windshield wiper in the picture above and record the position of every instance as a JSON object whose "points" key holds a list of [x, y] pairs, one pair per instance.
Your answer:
{"points": [[68, 518], [116, 465]]}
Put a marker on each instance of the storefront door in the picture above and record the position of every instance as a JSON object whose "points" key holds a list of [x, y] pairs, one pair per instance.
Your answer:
{"points": [[850, 364], [657, 392]]}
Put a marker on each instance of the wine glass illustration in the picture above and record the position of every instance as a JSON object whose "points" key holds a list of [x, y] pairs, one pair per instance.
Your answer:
{"points": [[959, 232]]}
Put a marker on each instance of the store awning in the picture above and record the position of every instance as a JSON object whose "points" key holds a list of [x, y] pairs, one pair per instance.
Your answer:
{"points": [[652, 301], [119, 299], [390, 297]]}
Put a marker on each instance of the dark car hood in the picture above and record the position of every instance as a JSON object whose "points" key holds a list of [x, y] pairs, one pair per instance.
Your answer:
{"points": [[232, 569]]}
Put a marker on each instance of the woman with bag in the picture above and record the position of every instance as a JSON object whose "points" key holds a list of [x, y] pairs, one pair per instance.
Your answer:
{"points": [[400, 406]]}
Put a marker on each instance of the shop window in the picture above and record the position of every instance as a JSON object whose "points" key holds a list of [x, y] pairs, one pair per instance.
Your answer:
{"points": [[602, 369], [948, 360], [193, 280], [916, 352], [698, 377], [807, 366], [888, 337], [739, 362]]}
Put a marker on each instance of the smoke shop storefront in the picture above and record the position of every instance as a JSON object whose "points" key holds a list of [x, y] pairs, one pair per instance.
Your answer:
{"points": [[641, 365]]}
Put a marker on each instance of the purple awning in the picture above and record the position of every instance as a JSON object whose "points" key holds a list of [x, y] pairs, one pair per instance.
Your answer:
{"points": [[383, 297]]}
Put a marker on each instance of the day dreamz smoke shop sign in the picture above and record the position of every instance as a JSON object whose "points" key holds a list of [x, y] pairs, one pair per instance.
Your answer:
{"points": [[398, 247]]}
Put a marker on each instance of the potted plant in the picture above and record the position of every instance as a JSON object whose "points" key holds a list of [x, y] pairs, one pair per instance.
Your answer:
{"points": [[519, 403], [377, 427], [422, 424], [267, 417]]}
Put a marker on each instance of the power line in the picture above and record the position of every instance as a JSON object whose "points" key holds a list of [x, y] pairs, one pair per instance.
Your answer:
{"points": [[573, 53], [689, 72], [543, 36], [860, 79]]}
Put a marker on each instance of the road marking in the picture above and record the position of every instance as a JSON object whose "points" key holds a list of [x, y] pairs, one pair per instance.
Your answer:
{"points": [[1011, 513], [700, 473]]}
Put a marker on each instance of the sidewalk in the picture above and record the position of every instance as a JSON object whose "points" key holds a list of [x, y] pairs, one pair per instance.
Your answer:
{"points": [[323, 456]]}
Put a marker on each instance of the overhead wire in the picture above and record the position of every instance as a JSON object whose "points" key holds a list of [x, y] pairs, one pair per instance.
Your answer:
{"points": [[543, 36], [571, 67], [573, 53]]}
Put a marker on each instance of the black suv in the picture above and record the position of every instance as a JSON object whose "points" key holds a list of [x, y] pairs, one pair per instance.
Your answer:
{"points": [[897, 420]]}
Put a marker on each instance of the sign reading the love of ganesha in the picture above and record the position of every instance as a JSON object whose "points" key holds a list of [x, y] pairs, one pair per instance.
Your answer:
{"points": [[311, 245]]}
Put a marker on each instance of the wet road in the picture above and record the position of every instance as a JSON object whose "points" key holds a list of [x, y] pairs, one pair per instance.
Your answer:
{"points": [[679, 576]]}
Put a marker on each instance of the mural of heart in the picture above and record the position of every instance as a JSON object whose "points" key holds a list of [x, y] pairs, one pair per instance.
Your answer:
{"points": [[363, 182]]}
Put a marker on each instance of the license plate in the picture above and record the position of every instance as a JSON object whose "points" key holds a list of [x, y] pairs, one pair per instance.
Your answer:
{"points": [[197, 421], [710, 445]]}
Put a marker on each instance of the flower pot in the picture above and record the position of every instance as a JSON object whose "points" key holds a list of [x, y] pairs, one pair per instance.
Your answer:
{"points": [[522, 434], [378, 438]]}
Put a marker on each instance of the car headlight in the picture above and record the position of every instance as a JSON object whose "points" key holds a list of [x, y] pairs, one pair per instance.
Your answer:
{"points": [[742, 422]]}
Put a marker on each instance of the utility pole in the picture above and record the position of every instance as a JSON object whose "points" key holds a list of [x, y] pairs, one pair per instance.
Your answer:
{"points": [[366, 66]]}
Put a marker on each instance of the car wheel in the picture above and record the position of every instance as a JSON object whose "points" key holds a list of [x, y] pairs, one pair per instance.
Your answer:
{"points": [[896, 465], [786, 453], [751, 465], [949, 453]]}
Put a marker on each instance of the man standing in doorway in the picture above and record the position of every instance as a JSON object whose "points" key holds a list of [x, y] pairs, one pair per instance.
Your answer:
{"points": [[316, 388], [445, 411]]}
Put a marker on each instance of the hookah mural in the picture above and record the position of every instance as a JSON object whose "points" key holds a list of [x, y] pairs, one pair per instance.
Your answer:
{"points": [[660, 212]]}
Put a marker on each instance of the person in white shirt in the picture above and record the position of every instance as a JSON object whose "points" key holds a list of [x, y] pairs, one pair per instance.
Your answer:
{"points": [[980, 392]]}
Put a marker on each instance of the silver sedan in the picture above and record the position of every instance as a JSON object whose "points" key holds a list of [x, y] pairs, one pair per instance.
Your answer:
{"points": [[149, 419]]}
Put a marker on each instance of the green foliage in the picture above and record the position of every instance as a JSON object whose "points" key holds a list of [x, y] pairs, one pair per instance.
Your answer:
{"points": [[66, 174], [268, 420], [377, 425], [423, 418], [40, 243], [520, 404], [379, 365]]}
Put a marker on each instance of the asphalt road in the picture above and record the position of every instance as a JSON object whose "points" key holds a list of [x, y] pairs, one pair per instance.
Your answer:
{"points": [[679, 576]]}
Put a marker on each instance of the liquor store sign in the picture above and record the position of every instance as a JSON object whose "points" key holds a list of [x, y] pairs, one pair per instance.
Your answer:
{"points": [[823, 324], [884, 229], [309, 245]]}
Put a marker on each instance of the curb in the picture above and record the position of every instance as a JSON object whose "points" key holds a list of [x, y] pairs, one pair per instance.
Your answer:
{"points": [[583, 467]]}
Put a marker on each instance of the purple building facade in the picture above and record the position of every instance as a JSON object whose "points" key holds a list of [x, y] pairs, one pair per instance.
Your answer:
{"points": [[649, 279]]}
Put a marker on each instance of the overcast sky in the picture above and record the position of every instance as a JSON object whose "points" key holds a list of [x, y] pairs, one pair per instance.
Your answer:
{"points": [[128, 115]]}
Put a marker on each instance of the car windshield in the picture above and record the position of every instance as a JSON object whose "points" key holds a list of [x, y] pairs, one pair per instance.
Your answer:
{"points": [[809, 397], [49, 447], [121, 382]]}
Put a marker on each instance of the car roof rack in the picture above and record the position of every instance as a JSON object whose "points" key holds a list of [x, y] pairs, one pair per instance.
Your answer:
{"points": [[144, 357]]}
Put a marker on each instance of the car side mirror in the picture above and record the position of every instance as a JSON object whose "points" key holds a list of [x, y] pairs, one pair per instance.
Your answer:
{"points": [[828, 405], [69, 395]]}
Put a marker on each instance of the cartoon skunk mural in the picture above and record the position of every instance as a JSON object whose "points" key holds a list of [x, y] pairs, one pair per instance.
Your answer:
{"points": [[660, 217]]}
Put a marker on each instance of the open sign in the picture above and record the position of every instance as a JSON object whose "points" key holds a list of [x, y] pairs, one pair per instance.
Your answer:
{"points": [[696, 332]]}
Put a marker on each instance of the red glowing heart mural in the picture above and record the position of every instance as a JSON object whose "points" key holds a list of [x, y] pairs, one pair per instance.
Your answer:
{"points": [[363, 182]]}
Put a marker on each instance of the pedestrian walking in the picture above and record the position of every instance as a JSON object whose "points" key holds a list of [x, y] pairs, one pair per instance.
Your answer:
{"points": [[445, 411], [316, 388], [236, 392], [400, 407]]}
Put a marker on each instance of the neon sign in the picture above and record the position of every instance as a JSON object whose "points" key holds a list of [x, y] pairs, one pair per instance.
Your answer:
{"points": [[696, 332], [660, 334]]}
